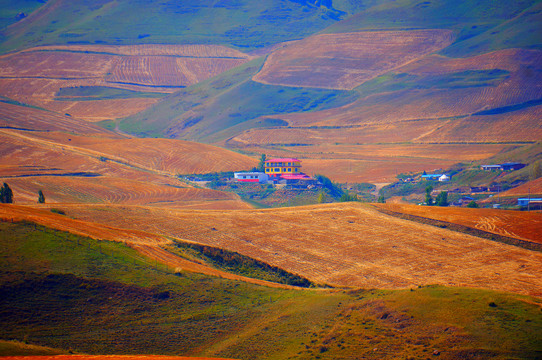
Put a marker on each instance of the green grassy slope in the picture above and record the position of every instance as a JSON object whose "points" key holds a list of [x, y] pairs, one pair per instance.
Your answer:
{"points": [[223, 106], [68, 292], [241, 23], [480, 26], [13, 11]]}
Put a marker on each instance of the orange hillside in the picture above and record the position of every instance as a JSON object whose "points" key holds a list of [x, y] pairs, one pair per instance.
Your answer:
{"points": [[517, 224], [342, 244], [344, 61]]}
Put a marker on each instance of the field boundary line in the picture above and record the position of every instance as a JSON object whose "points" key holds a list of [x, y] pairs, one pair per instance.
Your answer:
{"points": [[525, 244]]}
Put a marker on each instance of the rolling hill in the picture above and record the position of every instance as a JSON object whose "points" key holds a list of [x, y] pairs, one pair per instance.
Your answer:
{"points": [[104, 104]]}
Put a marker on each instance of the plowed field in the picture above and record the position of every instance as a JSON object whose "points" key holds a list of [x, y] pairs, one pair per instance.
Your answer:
{"points": [[344, 61], [516, 224], [78, 169], [342, 244], [35, 76]]}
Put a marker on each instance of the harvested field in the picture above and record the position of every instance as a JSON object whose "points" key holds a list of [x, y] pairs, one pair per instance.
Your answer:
{"points": [[77, 169], [522, 124], [108, 156], [516, 224], [342, 244], [34, 76], [344, 61], [167, 71], [26, 118], [532, 188], [111, 190], [149, 244], [196, 51], [446, 89]]}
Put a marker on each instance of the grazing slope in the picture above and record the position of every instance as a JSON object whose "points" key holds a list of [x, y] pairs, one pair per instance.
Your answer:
{"points": [[243, 24]]}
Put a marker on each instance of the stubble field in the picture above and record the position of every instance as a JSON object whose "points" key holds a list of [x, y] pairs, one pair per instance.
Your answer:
{"points": [[341, 245]]}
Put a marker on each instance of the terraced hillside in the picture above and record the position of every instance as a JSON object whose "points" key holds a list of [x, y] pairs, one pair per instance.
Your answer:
{"points": [[97, 82]]}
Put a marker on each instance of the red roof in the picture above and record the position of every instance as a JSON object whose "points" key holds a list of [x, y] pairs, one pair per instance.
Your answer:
{"points": [[295, 176], [282, 160]]}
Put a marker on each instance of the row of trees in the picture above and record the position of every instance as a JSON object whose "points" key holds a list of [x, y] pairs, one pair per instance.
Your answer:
{"points": [[6, 195], [440, 200]]}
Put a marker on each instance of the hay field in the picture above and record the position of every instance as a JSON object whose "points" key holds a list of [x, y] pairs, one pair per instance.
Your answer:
{"points": [[344, 61], [341, 244], [35, 76], [516, 224]]}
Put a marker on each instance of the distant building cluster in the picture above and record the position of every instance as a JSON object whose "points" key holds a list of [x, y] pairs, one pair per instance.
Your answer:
{"points": [[511, 166], [282, 170]]}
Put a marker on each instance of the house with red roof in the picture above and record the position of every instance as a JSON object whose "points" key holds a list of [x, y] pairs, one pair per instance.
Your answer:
{"points": [[285, 169]]}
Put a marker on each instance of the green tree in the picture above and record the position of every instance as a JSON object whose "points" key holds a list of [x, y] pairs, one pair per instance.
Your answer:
{"points": [[535, 171], [442, 199], [346, 197], [428, 198], [473, 204], [321, 198], [41, 197], [261, 165], [381, 199], [6, 195]]}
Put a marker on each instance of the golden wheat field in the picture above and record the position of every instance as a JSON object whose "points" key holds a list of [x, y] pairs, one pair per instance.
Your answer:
{"points": [[344, 61], [516, 224], [340, 244]]}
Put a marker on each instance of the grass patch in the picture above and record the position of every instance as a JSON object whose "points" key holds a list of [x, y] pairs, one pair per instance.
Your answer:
{"points": [[239, 264], [93, 93]]}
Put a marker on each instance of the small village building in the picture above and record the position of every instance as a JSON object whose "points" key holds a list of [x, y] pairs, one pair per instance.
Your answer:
{"points": [[529, 201], [491, 167], [258, 177], [509, 166], [444, 178], [512, 166], [277, 168], [431, 176]]}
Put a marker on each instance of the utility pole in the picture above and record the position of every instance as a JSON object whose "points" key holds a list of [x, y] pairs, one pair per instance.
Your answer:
{"points": [[529, 200]]}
